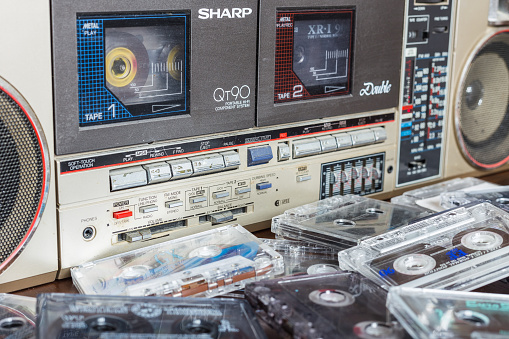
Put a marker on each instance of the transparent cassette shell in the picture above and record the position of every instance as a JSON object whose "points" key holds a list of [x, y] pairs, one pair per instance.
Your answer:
{"points": [[305, 258], [17, 316], [342, 221], [498, 196], [459, 249], [76, 316], [205, 264], [424, 197], [337, 305], [431, 313]]}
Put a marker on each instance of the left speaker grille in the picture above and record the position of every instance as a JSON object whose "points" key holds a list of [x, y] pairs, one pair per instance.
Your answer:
{"points": [[21, 176]]}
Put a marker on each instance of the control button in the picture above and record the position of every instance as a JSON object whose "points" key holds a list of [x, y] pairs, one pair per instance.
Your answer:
{"points": [[133, 236], [207, 163], [128, 177], [231, 159], [342, 177], [218, 218], [306, 147], [259, 155], [283, 152], [366, 173], [343, 140], [220, 195], [158, 172], [145, 234], [148, 209], [380, 134], [195, 200], [355, 173], [328, 143], [242, 190], [122, 214], [263, 185], [362, 137], [376, 174], [180, 168], [301, 178], [174, 203]]}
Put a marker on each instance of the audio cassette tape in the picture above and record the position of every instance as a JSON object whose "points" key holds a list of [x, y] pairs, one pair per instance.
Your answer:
{"points": [[430, 313], [342, 221], [497, 195], [205, 264], [77, 316], [304, 258], [428, 197], [458, 249], [337, 305], [17, 317]]}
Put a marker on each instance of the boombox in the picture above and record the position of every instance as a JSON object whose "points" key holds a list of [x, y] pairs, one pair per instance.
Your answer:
{"points": [[127, 123]]}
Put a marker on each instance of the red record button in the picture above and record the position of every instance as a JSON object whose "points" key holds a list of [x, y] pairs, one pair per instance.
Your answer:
{"points": [[122, 214]]}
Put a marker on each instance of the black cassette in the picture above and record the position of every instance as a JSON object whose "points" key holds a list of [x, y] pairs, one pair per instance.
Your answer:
{"points": [[76, 316], [17, 317], [336, 305]]}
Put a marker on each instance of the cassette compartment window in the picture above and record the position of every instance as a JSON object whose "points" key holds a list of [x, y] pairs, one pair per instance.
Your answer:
{"points": [[132, 67], [313, 54]]}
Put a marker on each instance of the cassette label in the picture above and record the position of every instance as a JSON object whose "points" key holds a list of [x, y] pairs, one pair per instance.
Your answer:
{"points": [[132, 67], [313, 54]]}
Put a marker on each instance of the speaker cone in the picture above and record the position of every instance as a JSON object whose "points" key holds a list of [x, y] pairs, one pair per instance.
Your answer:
{"points": [[482, 116]]}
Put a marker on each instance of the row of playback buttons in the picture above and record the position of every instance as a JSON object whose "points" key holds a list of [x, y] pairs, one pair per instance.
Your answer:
{"points": [[135, 176], [334, 142]]}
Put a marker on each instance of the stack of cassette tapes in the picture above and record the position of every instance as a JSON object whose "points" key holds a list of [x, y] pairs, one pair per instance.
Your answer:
{"points": [[428, 197], [336, 305], [340, 222], [17, 317], [458, 249], [305, 258], [205, 264], [429, 313], [498, 196], [73, 316]]}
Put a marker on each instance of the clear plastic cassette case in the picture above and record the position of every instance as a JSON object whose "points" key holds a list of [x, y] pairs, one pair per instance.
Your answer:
{"points": [[341, 222], [205, 264], [305, 258], [430, 313], [74, 316], [336, 305], [498, 196], [459, 249], [17, 316], [428, 197]]}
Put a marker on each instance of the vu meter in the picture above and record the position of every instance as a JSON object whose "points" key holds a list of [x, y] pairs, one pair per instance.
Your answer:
{"points": [[313, 54]]}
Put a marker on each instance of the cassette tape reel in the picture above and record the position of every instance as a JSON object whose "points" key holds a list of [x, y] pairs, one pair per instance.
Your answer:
{"points": [[479, 97]]}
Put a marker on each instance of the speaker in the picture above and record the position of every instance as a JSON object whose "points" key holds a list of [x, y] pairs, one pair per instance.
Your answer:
{"points": [[28, 231], [478, 133]]}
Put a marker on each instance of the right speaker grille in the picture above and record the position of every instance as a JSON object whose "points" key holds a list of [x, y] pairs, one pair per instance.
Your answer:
{"points": [[482, 117]]}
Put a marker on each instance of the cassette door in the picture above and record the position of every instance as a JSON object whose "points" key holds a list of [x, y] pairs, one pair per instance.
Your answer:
{"points": [[28, 244], [478, 137]]}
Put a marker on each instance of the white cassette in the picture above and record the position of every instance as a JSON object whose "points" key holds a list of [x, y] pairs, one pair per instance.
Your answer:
{"points": [[428, 197], [498, 196], [459, 249], [430, 313], [342, 221], [205, 264], [305, 258]]}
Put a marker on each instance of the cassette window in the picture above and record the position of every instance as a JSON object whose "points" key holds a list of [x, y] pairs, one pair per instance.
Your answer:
{"points": [[313, 54], [132, 67]]}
